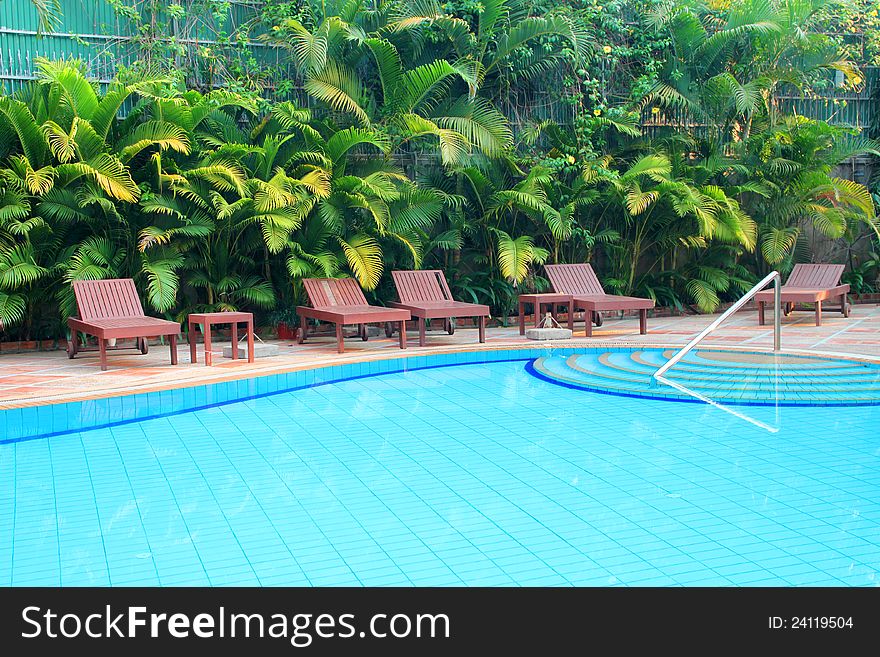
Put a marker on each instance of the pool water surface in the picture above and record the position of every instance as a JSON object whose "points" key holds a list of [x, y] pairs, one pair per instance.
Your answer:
{"points": [[479, 474]]}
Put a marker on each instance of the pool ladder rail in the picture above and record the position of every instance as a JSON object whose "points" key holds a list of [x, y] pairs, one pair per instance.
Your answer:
{"points": [[777, 322], [658, 377]]}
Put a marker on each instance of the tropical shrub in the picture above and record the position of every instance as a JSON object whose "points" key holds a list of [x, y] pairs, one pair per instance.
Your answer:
{"points": [[414, 134]]}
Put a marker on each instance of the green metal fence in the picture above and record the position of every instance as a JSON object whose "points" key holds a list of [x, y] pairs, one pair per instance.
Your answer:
{"points": [[92, 31]]}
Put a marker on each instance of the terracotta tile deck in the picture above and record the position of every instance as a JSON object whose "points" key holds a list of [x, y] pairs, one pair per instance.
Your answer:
{"points": [[34, 378]]}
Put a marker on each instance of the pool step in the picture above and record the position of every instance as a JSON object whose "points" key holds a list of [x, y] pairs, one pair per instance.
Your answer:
{"points": [[734, 377]]}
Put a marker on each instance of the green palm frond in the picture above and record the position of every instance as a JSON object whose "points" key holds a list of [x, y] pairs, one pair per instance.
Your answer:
{"points": [[18, 267], [853, 194], [515, 256], [309, 49], [49, 14], [12, 309], [341, 89], [777, 243], [637, 201], [479, 122], [830, 221], [344, 140], [160, 267], [364, 256], [390, 68], [416, 208], [106, 170], [421, 86], [493, 12], [533, 28], [32, 140], [654, 166], [62, 206], [68, 80], [449, 240], [62, 143], [412, 243], [225, 176], [628, 125], [195, 225], [108, 108], [454, 147], [748, 98], [704, 294], [256, 292], [162, 134], [277, 225], [35, 181]]}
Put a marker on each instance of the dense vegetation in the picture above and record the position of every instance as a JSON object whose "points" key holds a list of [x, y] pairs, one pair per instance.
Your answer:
{"points": [[675, 170]]}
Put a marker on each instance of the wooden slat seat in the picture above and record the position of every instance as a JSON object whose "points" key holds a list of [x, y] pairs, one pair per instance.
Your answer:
{"points": [[426, 294], [580, 281], [341, 301], [809, 283], [111, 309]]}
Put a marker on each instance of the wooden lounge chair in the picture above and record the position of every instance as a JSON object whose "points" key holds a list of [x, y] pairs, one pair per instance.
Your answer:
{"points": [[426, 295], [341, 301], [112, 309], [580, 281], [808, 283]]}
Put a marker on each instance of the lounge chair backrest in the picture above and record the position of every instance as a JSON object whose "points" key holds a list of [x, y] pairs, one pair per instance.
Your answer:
{"points": [[574, 279], [334, 292], [423, 285], [815, 276], [110, 298]]}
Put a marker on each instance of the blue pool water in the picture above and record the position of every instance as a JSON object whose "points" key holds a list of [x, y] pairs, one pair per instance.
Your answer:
{"points": [[479, 474]]}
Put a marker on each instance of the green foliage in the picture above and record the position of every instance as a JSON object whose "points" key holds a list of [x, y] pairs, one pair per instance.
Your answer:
{"points": [[411, 133]]}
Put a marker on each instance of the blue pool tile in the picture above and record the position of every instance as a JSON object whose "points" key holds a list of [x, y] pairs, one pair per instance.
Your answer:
{"points": [[478, 475]]}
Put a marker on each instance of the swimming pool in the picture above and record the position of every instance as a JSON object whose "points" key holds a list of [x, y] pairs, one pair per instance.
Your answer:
{"points": [[471, 474]]}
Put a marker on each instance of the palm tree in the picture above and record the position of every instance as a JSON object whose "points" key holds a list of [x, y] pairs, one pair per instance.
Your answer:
{"points": [[353, 61], [791, 166], [503, 48], [724, 72], [48, 14]]}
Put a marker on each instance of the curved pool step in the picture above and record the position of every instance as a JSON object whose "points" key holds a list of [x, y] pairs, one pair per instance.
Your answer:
{"points": [[724, 376], [619, 366]]}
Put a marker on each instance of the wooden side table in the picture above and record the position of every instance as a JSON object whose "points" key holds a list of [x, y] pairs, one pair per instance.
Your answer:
{"points": [[551, 299], [231, 318]]}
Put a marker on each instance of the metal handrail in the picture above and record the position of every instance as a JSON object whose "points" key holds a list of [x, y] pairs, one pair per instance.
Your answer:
{"points": [[777, 322]]}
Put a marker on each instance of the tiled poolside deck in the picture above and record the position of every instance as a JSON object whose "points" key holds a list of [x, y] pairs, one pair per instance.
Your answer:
{"points": [[49, 377]]}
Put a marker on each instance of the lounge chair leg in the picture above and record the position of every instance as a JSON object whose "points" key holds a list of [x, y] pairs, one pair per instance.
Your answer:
{"points": [[421, 321], [818, 313], [173, 341], [843, 310], [250, 341], [193, 357], [482, 323], [303, 330], [102, 350], [522, 318], [209, 358], [571, 317], [643, 322], [760, 313], [234, 341], [403, 333], [340, 347], [588, 323]]}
